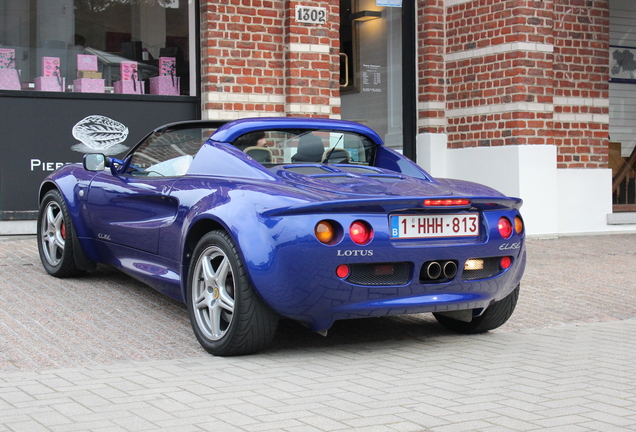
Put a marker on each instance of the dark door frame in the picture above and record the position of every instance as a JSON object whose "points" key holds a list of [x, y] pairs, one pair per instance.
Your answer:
{"points": [[409, 79]]}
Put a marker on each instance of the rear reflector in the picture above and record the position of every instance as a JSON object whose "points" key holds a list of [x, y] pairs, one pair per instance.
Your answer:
{"points": [[342, 271], [384, 269]]}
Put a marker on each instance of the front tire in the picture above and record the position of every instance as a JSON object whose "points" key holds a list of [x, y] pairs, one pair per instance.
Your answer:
{"points": [[55, 237], [227, 316], [495, 316]]}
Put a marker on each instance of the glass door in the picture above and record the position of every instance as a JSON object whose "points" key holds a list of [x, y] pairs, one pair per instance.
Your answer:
{"points": [[371, 66]]}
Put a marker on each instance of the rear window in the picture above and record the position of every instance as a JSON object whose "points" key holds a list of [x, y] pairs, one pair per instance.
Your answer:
{"points": [[277, 147]]}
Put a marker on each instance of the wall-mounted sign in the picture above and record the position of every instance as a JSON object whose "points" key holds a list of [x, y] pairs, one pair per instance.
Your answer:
{"points": [[371, 78], [30, 149], [311, 15]]}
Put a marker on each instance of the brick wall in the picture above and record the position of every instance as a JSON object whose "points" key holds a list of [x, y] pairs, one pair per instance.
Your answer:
{"points": [[581, 90], [431, 66], [517, 72], [258, 61], [491, 72], [313, 63]]}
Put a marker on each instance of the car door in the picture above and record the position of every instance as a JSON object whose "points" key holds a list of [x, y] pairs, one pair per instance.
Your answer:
{"points": [[131, 207], [130, 211]]}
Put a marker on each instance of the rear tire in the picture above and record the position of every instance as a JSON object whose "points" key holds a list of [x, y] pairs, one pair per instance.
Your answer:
{"points": [[227, 316], [55, 237], [495, 316]]}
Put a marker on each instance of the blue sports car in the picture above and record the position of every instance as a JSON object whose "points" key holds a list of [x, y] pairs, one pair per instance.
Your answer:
{"points": [[313, 220]]}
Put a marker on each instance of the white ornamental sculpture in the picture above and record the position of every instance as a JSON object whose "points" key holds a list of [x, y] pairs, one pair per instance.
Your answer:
{"points": [[100, 134]]}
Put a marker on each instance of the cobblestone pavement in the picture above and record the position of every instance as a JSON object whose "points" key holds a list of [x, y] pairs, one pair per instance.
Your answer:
{"points": [[105, 353]]}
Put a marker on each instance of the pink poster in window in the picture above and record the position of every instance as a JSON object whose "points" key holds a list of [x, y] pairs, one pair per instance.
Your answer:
{"points": [[50, 66], [129, 71]]}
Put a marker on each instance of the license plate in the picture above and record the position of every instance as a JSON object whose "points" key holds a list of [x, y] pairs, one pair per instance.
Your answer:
{"points": [[432, 226]]}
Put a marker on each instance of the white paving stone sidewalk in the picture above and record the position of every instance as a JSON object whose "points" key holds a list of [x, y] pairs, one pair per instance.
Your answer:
{"points": [[577, 377], [105, 353]]}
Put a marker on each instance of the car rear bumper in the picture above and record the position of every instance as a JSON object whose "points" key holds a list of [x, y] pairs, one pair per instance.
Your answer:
{"points": [[310, 290]]}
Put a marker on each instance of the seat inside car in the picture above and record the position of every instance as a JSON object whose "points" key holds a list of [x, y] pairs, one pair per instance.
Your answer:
{"points": [[259, 154], [310, 149]]}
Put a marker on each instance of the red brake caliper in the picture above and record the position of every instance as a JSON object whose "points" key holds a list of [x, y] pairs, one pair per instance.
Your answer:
{"points": [[63, 231]]}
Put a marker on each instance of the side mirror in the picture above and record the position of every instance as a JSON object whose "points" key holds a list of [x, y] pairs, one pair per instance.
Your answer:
{"points": [[94, 162]]}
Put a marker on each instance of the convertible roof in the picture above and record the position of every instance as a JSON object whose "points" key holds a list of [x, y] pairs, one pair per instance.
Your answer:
{"points": [[234, 129]]}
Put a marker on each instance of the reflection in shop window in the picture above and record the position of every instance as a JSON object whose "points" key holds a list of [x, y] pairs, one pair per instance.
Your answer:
{"points": [[371, 35], [111, 46]]}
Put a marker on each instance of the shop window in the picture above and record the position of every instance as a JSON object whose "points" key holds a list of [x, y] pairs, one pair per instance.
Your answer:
{"points": [[124, 46]]}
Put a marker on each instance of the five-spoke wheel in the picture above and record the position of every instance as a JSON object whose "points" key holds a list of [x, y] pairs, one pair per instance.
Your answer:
{"points": [[55, 241], [53, 233], [213, 293], [227, 316]]}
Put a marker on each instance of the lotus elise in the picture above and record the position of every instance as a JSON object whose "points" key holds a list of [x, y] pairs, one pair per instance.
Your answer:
{"points": [[312, 220]]}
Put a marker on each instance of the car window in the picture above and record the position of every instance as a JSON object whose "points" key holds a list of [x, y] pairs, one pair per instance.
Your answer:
{"points": [[306, 146], [167, 153]]}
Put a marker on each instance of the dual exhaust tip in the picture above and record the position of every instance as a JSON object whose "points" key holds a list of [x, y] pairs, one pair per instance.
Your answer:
{"points": [[439, 270]]}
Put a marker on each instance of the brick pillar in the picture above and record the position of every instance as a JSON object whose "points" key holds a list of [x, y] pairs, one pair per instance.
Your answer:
{"points": [[581, 91], [499, 73], [312, 63], [431, 66], [257, 60], [242, 58]]}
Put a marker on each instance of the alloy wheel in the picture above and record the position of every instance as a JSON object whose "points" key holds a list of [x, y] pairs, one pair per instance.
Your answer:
{"points": [[53, 232], [213, 293]]}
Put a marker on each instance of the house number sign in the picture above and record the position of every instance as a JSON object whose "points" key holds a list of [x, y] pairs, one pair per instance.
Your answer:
{"points": [[311, 15]]}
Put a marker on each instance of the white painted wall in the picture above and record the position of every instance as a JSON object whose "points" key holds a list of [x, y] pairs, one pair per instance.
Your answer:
{"points": [[556, 201], [585, 200]]}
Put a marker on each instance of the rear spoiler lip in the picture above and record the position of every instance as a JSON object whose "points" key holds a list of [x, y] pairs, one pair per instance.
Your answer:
{"points": [[391, 205]]}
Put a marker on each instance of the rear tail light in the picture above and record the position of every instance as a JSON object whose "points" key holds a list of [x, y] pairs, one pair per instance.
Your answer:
{"points": [[450, 202], [505, 227], [328, 232], [518, 225], [361, 232], [474, 264]]}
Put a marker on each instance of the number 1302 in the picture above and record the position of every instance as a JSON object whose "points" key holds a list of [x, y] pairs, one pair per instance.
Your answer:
{"points": [[311, 15]]}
